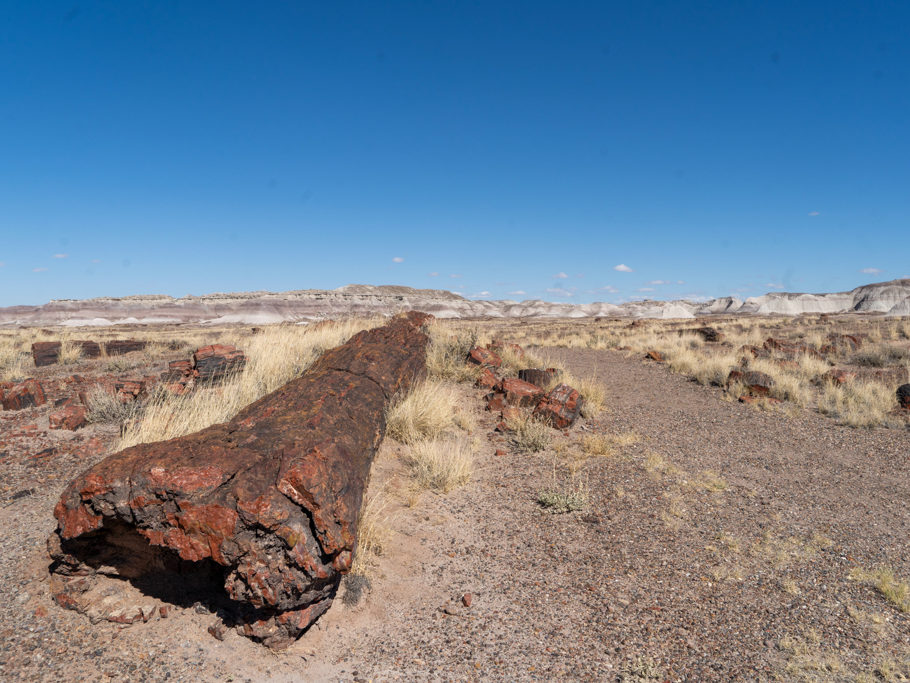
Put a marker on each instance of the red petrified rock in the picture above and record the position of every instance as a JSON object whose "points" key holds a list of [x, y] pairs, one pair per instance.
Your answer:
{"points": [[22, 395], [495, 401], [511, 413], [213, 363], [264, 507], [70, 417], [487, 379], [709, 334], [517, 392], [656, 356], [903, 396], [849, 342], [480, 356], [561, 407], [756, 383]]}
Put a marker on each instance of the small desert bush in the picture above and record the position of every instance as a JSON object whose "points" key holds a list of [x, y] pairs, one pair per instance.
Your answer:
{"points": [[886, 582], [104, 407], [447, 354], [858, 404], [564, 496], [441, 464], [274, 357], [425, 412], [597, 444], [704, 368], [529, 434]]}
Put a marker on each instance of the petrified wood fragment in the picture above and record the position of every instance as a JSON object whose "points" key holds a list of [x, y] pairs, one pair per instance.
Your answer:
{"points": [[267, 504], [48, 353]]}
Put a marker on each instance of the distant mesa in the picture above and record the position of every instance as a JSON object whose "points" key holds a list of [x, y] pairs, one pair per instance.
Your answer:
{"points": [[301, 306]]}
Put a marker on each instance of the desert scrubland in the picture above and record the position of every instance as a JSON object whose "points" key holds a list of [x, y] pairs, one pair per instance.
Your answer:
{"points": [[730, 504]]}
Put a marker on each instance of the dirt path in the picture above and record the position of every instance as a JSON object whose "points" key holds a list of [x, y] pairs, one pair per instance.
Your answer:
{"points": [[716, 547]]}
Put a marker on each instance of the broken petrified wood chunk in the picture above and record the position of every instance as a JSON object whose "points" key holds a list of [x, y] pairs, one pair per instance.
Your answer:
{"points": [[754, 382], [541, 378], [25, 394], [216, 362], [265, 506], [561, 407], [70, 417]]}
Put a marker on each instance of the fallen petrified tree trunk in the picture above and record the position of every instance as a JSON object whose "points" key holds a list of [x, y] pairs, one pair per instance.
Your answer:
{"points": [[267, 504]]}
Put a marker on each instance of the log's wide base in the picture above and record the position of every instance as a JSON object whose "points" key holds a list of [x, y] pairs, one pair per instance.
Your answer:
{"points": [[258, 514]]}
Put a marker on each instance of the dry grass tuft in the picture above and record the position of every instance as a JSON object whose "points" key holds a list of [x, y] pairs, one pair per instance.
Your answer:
{"points": [[69, 353], [859, 404], [529, 434], [886, 582], [13, 361], [425, 412], [373, 533], [441, 464], [447, 354]]}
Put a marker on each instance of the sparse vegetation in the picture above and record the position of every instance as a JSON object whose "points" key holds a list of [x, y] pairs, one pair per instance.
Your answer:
{"points": [[441, 464], [529, 434], [447, 352], [69, 353], [425, 412], [886, 582], [373, 534], [104, 407]]}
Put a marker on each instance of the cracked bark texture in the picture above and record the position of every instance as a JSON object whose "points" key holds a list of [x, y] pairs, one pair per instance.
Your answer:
{"points": [[271, 498]]}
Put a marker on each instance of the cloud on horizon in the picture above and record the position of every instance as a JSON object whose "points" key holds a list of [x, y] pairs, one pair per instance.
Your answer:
{"points": [[433, 274], [60, 255], [560, 291], [871, 271], [560, 276], [398, 259], [774, 285], [659, 282], [518, 292], [623, 268]]}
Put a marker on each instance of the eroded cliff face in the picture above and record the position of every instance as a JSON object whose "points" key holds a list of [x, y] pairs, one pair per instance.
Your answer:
{"points": [[889, 298]]}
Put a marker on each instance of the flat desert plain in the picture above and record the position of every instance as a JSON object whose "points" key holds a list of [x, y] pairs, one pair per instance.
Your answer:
{"points": [[730, 505]]}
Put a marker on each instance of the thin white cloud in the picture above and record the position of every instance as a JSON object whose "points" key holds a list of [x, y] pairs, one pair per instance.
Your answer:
{"points": [[560, 276], [96, 260], [659, 282], [774, 285], [433, 274], [2, 264], [680, 282], [560, 291], [458, 293], [398, 259], [610, 288], [455, 276], [645, 289], [622, 268], [38, 270], [871, 271], [518, 292], [60, 255], [814, 213], [483, 293]]}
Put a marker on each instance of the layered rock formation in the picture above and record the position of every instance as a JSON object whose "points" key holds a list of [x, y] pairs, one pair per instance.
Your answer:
{"points": [[254, 308]]}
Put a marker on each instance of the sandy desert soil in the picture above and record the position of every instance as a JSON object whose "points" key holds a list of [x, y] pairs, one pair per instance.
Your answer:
{"points": [[718, 542]]}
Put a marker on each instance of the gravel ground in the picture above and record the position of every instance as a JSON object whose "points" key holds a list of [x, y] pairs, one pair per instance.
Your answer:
{"points": [[716, 547]]}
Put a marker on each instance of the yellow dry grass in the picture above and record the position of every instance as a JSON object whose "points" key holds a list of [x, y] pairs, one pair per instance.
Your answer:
{"points": [[425, 412], [274, 357], [886, 582], [441, 464]]}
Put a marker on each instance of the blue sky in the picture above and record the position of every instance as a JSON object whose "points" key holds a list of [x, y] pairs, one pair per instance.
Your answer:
{"points": [[569, 151]]}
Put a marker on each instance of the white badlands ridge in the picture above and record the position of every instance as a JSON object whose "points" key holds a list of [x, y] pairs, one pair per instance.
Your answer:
{"points": [[261, 308]]}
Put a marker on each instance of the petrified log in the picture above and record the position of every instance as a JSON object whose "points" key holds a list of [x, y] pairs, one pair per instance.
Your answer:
{"points": [[48, 353], [267, 503], [118, 347]]}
